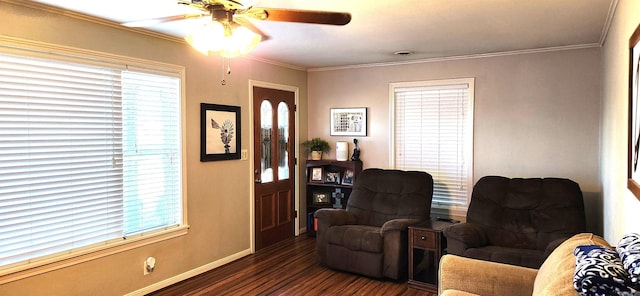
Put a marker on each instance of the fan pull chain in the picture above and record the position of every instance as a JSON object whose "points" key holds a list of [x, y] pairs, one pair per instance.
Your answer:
{"points": [[228, 70], [224, 82]]}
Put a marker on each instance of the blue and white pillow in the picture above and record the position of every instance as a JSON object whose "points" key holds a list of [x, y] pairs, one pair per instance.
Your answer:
{"points": [[599, 272], [629, 250]]}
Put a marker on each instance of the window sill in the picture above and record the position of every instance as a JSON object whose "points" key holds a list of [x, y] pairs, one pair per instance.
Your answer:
{"points": [[458, 213], [48, 264]]}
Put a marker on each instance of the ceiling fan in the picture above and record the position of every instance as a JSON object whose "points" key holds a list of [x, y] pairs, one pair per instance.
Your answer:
{"points": [[231, 21]]}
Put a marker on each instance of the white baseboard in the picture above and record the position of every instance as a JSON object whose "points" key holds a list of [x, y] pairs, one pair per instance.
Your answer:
{"points": [[191, 273]]}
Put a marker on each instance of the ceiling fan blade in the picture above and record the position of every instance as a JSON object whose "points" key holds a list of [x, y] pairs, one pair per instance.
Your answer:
{"points": [[194, 4], [230, 4], [253, 12], [307, 16], [150, 22], [247, 24]]}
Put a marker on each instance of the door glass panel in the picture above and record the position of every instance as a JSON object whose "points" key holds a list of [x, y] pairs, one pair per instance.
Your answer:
{"points": [[283, 141], [266, 127]]}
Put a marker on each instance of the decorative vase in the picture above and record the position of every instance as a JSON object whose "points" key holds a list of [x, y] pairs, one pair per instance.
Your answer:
{"points": [[316, 155]]}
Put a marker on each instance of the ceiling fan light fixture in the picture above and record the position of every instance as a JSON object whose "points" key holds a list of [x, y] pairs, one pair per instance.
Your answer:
{"points": [[208, 38], [229, 42], [241, 42], [230, 32]]}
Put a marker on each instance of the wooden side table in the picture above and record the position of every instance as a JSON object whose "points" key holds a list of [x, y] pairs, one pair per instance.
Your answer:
{"points": [[426, 246]]}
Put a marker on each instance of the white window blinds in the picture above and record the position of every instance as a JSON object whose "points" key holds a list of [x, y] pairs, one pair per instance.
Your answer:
{"points": [[432, 132], [152, 164], [88, 155]]}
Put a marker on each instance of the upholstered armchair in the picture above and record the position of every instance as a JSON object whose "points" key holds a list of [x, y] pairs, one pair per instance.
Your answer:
{"points": [[518, 221], [369, 237]]}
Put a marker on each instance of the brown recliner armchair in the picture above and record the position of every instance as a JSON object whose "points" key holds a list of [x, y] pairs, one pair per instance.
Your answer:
{"points": [[369, 237], [518, 221]]}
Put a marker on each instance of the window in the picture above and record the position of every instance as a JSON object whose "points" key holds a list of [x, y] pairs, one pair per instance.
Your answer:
{"points": [[433, 132], [90, 156]]}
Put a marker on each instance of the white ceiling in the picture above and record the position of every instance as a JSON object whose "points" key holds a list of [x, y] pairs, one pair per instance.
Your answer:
{"points": [[431, 29]]}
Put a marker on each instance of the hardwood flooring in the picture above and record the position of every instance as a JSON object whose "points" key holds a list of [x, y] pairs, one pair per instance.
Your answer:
{"points": [[286, 268]]}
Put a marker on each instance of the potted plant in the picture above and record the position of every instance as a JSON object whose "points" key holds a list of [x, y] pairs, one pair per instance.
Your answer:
{"points": [[316, 147]]}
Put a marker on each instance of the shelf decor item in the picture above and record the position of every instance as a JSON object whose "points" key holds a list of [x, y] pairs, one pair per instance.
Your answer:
{"points": [[317, 175], [316, 147], [219, 132], [356, 151], [337, 195], [332, 177], [347, 179], [348, 122], [321, 198], [342, 150]]}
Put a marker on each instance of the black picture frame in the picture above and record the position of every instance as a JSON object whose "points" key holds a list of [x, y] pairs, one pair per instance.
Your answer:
{"points": [[220, 132], [633, 165], [348, 122], [331, 177], [347, 177], [321, 197]]}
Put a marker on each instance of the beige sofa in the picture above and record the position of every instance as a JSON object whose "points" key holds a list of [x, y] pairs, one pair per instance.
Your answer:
{"points": [[461, 276]]}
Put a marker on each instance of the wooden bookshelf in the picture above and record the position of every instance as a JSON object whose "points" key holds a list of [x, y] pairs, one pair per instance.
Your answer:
{"points": [[329, 185]]}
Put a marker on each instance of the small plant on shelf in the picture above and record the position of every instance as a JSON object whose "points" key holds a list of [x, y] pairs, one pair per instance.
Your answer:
{"points": [[316, 147]]}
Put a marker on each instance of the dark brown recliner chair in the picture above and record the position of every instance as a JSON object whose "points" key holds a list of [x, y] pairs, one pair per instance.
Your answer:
{"points": [[369, 237], [518, 221]]}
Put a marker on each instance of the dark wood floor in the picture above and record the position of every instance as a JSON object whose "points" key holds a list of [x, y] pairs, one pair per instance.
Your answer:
{"points": [[287, 268]]}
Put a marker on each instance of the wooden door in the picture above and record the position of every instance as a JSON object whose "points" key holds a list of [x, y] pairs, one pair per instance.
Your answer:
{"points": [[274, 130]]}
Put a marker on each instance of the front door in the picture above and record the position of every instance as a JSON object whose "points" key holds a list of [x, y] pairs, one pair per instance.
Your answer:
{"points": [[274, 165]]}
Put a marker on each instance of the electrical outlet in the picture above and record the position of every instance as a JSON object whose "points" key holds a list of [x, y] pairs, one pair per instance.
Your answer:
{"points": [[149, 265], [244, 154]]}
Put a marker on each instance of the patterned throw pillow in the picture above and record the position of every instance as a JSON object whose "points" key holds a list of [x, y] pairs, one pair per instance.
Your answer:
{"points": [[629, 250], [599, 272]]}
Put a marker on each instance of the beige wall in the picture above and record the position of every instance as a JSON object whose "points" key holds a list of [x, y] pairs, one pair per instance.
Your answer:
{"points": [[536, 114], [218, 192], [621, 208]]}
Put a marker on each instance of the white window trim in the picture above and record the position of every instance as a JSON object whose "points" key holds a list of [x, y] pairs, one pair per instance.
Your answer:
{"points": [[451, 211], [13, 45]]}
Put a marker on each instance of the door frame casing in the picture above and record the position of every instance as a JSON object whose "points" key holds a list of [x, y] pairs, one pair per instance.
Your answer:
{"points": [[251, 177]]}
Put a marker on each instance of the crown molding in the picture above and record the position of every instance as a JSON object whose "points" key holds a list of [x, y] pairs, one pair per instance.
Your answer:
{"points": [[93, 19], [608, 21], [460, 57], [285, 65]]}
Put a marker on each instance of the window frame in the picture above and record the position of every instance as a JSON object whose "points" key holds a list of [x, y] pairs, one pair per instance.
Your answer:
{"points": [[438, 209], [16, 46]]}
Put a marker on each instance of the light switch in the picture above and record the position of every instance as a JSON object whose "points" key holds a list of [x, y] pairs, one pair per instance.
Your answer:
{"points": [[244, 154]]}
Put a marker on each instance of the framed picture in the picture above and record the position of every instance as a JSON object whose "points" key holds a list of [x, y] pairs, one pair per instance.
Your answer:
{"points": [[316, 175], [332, 177], [321, 198], [347, 178], [219, 132], [348, 122], [633, 171]]}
